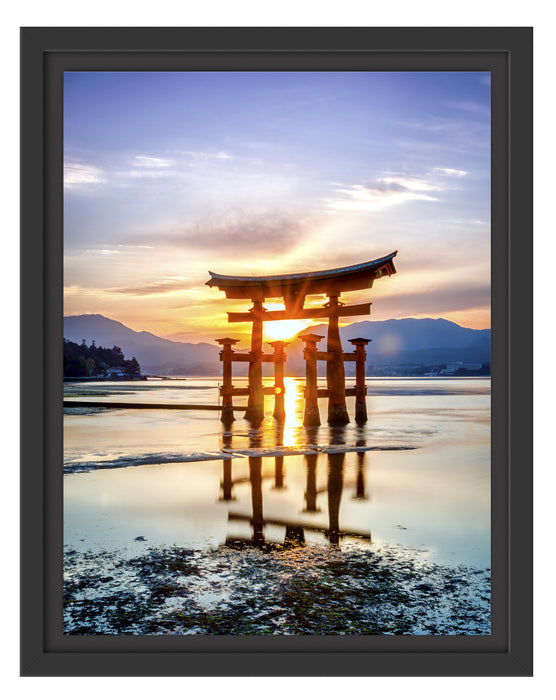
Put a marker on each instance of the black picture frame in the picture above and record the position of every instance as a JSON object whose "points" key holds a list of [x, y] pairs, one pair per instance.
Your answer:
{"points": [[45, 54]]}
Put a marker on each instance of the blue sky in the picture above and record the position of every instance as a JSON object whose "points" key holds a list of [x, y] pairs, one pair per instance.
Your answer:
{"points": [[168, 175]]}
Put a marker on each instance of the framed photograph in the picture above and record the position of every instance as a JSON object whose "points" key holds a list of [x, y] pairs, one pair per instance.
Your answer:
{"points": [[280, 284]]}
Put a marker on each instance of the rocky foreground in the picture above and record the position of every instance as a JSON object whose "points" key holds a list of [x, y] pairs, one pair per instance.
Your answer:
{"points": [[272, 591]]}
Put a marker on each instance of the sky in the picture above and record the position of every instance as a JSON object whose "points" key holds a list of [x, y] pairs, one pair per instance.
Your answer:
{"points": [[170, 175]]}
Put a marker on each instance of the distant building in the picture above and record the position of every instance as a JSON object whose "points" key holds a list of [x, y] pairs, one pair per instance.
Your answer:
{"points": [[117, 372], [452, 367]]}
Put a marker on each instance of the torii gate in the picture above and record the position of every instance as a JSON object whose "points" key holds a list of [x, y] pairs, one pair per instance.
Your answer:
{"points": [[294, 288]]}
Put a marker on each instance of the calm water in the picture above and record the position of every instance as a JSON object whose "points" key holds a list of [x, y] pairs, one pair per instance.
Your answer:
{"points": [[417, 474]]}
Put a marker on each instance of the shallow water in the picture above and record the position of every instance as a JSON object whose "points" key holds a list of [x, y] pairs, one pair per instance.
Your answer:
{"points": [[416, 474]]}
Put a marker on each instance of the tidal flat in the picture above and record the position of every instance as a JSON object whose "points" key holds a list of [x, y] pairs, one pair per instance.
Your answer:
{"points": [[175, 526], [273, 591]]}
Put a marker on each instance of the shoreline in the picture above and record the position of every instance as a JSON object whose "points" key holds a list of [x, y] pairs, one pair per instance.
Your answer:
{"points": [[146, 460]]}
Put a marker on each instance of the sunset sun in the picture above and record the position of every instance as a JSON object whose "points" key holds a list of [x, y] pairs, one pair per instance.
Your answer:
{"points": [[284, 330]]}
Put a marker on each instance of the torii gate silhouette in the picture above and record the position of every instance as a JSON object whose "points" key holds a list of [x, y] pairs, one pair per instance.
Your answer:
{"points": [[293, 289]]}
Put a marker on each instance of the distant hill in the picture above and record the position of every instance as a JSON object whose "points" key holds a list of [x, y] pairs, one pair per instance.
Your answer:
{"points": [[408, 341], [154, 354], [416, 334], [419, 341]]}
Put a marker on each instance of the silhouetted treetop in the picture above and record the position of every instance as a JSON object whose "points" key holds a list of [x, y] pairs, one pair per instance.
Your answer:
{"points": [[87, 361]]}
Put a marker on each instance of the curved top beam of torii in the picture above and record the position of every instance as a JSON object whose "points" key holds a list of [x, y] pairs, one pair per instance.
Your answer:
{"points": [[296, 285]]}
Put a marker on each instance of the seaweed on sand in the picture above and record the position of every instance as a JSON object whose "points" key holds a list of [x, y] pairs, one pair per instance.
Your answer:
{"points": [[300, 591]]}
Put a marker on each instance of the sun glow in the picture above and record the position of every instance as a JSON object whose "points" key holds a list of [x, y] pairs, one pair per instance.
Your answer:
{"points": [[283, 330]]}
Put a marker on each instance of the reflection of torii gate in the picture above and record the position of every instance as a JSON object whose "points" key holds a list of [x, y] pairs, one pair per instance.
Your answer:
{"points": [[295, 530], [294, 289]]}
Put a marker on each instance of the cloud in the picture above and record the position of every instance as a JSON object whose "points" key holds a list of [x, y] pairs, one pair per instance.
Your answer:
{"points": [[442, 298], [387, 191], [81, 174], [258, 232], [178, 284], [151, 162], [147, 173], [468, 130], [75, 290], [469, 106], [450, 172], [467, 222], [122, 245], [140, 167], [390, 190], [207, 155], [102, 251], [408, 184], [434, 125], [148, 167]]}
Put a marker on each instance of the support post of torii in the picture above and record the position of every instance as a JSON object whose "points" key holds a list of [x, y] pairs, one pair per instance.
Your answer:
{"points": [[360, 387], [255, 401], [226, 355], [311, 416], [335, 373]]}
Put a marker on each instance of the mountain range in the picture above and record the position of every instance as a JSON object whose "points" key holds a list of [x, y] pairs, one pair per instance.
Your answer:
{"points": [[407, 341], [153, 353]]}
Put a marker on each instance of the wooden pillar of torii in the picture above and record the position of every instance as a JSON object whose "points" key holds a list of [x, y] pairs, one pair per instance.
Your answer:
{"points": [[255, 391], [311, 415], [335, 374], [336, 391], [360, 388], [294, 289]]}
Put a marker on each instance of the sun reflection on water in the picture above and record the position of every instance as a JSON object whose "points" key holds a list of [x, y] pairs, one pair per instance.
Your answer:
{"points": [[293, 404]]}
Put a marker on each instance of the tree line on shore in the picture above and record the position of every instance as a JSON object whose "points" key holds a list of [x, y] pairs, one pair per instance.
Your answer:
{"points": [[93, 361]]}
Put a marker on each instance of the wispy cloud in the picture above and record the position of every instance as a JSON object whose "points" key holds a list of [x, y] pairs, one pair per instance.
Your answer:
{"points": [[151, 162], [469, 106], [148, 167], [81, 174], [102, 251], [207, 155], [436, 300], [467, 222], [147, 173], [178, 284], [75, 290], [131, 171], [433, 124], [126, 245], [450, 172], [386, 192], [390, 190], [468, 129]]}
